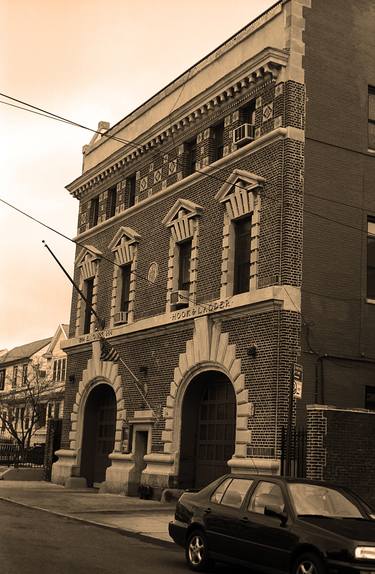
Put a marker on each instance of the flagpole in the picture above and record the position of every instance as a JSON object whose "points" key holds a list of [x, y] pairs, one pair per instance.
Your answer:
{"points": [[137, 382], [100, 321]]}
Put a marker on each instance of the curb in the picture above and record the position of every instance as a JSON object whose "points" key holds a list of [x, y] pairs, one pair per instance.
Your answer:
{"points": [[122, 531]]}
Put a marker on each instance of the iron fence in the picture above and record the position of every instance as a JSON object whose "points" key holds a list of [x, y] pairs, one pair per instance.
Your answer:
{"points": [[12, 455], [293, 452]]}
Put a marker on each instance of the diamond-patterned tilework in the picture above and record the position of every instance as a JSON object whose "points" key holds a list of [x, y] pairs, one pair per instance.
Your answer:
{"points": [[144, 183], [172, 167], [267, 112], [279, 89], [157, 175]]}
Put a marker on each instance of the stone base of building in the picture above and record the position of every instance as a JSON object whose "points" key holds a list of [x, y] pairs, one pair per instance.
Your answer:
{"points": [[254, 465], [64, 467], [120, 475]]}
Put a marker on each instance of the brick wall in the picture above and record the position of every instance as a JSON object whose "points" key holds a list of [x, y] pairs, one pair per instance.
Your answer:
{"points": [[339, 181], [340, 448]]}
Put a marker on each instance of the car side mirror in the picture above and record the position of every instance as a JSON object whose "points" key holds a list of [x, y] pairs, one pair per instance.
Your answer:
{"points": [[275, 511]]}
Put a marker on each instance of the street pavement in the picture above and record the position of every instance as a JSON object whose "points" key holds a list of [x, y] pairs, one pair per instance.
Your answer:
{"points": [[146, 519], [35, 542]]}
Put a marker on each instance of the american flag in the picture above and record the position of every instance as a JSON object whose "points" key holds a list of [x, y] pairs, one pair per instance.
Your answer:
{"points": [[107, 352]]}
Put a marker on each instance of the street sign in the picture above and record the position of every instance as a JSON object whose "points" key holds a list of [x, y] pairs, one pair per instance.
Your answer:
{"points": [[297, 381]]}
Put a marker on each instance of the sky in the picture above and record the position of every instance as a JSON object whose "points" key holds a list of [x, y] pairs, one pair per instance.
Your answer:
{"points": [[86, 60]]}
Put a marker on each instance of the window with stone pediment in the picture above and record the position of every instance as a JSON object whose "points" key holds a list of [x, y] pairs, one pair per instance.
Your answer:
{"points": [[183, 222], [241, 200], [124, 247], [88, 264]]}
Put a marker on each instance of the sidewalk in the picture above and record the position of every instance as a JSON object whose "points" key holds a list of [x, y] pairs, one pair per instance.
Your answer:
{"points": [[143, 518]]}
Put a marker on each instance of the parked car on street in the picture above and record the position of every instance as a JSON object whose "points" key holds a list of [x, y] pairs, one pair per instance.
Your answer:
{"points": [[276, 524]]}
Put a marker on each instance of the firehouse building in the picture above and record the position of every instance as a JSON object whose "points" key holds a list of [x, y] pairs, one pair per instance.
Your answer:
{"points": [[210, 281]]}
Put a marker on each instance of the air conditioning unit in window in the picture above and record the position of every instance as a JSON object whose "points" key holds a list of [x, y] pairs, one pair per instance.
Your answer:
{"points": [[120, 317], [179, 297], [243, 134]]}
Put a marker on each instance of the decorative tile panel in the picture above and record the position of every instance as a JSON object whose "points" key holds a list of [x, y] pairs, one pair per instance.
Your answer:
{"points": [[172, 168], [258, 103], [144, 183], [267, 112], [279, 89], [157, 175], [277, 122], [235, 116]]}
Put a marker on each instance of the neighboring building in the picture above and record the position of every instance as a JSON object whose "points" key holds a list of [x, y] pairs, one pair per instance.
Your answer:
{"points": [[223, 245], [42, 361]]}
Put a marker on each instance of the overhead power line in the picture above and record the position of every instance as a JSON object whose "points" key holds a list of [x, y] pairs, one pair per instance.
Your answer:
{"points": [[50, 115]]}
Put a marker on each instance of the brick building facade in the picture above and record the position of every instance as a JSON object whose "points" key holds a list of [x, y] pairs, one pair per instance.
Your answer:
{"points": [[193, 247]]}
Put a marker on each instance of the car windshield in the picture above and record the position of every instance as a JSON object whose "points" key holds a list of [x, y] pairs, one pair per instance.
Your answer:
{"points": [[317, 500]]}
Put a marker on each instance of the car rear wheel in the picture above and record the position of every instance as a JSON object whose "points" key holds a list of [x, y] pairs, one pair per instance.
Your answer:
{"points": [[308, 563], [196, 551]]}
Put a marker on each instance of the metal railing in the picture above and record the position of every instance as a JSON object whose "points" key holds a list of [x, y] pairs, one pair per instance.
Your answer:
{"points": [[12, 455], [293, 453]]}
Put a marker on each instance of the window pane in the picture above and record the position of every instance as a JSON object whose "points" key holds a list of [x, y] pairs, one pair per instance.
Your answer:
{"points": [[242, 255], [89, 287], [370, 398], [371, 135], [125, 288], [218, 493], [111, 202], [236, 492], [184, 266], [371, 261], [266, 494], [371, 104]]}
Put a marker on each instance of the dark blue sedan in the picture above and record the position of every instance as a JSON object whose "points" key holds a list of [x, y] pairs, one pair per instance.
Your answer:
{"points": [[276, 525]]}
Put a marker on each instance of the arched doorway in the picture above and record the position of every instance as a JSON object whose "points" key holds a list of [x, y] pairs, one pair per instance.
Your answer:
{"points": [[98, 433], [208, 429]]}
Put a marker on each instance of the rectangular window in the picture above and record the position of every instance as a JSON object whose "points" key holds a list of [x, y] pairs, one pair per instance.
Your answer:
{"points": [[247, 113], [131, 182], [218, 141], [94, 212], [125, 288], [371, 117], [370, 259], [191, 156], [2, 380], [24, 375], [88, 292], [59, 370], [49, 410], [15, 375], [111, 202], [370, 398], [41, 411], [184, 266], [242, 230]]}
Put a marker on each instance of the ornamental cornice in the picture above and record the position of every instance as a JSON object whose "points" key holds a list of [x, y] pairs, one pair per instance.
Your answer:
{"points": [[264, 66]]}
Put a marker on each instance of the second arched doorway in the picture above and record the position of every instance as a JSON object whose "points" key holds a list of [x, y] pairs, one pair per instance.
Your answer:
{"points": [[98, 433], [208, 429]]}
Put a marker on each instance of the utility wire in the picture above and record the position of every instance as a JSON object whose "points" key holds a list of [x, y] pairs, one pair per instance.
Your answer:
{"points": [[40, 111]]}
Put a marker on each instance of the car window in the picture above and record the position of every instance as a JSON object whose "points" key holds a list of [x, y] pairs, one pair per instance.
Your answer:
{"points": [[217, 495], [236, 492], [267, 494], [313, 499]]}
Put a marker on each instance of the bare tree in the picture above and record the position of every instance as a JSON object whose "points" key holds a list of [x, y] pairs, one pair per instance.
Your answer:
{"points": [[23, 408]]}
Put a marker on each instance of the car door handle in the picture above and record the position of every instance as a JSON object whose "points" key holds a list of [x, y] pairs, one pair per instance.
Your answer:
{"points": [[245, 521]]}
